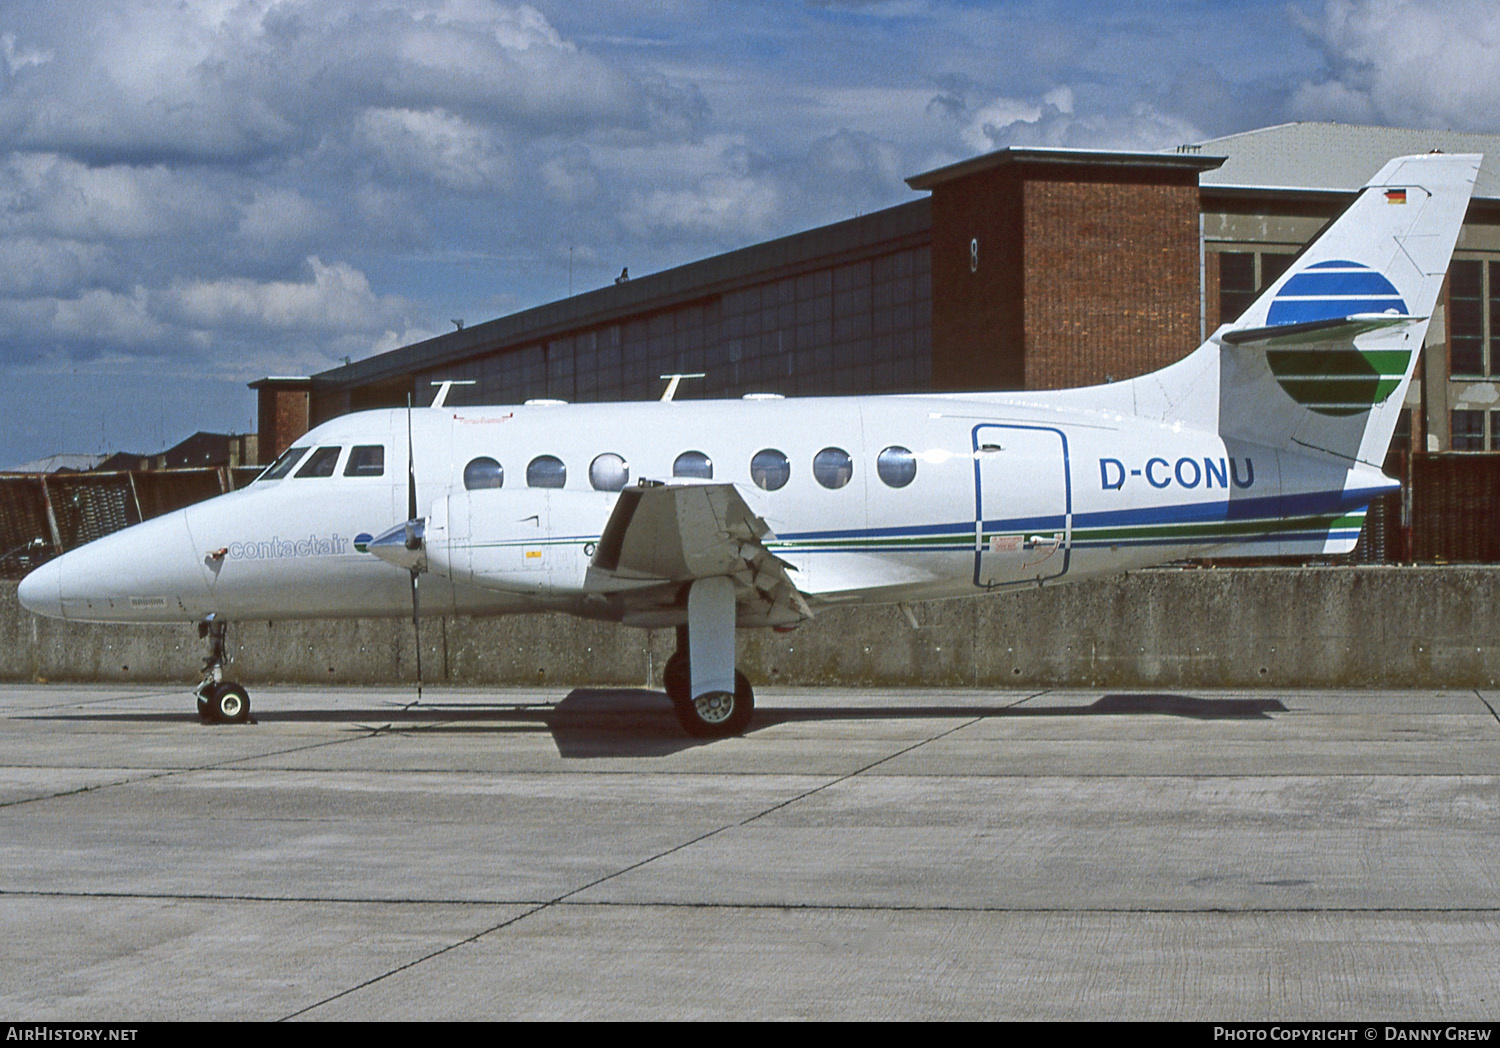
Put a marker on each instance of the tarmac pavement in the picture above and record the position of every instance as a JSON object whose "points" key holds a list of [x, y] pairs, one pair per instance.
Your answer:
{"points": [[868, 854]]}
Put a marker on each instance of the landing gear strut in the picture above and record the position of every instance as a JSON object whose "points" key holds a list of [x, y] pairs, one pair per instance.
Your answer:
{"points": [[219, 700], [699, 675]]}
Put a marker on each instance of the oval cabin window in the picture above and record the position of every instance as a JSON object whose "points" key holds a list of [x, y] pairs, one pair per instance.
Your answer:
{"points": [[482, 473], [609, 472], [897, 466], [546, 471], [770, 469], [693, 464], [832, 467]]}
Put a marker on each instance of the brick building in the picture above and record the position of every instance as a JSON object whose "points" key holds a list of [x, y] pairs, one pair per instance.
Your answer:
{"points": [[1021, 269]]}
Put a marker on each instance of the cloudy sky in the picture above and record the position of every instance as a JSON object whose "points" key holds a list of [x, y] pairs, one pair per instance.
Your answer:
{"points": [[196, 193]]}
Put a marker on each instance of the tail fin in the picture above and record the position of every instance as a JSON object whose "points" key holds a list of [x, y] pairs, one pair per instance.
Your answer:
{"points": [[1323, 358]]}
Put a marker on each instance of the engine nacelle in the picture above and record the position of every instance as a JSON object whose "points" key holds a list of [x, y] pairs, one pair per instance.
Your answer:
{"points": [[521, 541]]}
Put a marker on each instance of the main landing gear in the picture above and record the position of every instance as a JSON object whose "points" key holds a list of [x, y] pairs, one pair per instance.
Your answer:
{"points": [[712, 698], [219, 700]]}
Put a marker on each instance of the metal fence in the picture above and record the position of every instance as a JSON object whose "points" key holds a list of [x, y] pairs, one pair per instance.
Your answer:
{"points": [[1455, 509], [42, 515]]}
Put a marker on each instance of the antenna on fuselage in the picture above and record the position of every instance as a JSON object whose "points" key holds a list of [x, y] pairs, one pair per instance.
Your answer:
{"points": [[675, 379], [444, 385]]}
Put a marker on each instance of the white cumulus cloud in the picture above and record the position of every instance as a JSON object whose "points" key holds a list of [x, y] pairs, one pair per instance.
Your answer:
{"points": [[1405, 63], [433, 144], [337, 297]]}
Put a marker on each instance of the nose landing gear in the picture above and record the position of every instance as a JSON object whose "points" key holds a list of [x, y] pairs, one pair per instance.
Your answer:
{"points": [[219, 701]]}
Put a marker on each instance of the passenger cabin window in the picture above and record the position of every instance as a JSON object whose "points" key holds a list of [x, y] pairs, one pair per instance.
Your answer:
{"points": [[770, 469], [546, 471], [693, 464], [366, 460], [483, 473], [832, 467], [320, 463], [897, 466], [609, 472], [283, 465]]}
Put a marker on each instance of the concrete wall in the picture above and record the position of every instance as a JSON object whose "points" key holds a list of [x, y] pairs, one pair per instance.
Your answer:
{"points": [[1368, 626]]}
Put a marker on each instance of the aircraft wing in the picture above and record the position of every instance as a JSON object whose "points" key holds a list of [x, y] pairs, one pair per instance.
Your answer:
{"points": [[671, 534]]}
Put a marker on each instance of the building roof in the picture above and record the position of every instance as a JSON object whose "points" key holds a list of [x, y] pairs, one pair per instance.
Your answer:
{"points": [[61, 463], [1196, 161], [1326, 157], [852, 238], [1288, 158]]}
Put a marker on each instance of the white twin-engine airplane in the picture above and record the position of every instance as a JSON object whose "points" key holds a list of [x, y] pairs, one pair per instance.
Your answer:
{"points": [[708, 515]]}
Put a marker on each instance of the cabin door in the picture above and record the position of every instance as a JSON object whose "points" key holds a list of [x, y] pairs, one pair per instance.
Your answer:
{"points": [[1023, 504]]}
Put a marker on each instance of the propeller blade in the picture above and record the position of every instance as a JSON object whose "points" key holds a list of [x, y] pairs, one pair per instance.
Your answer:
{"points": [[411, 467], [412, 541], [416, 625]]}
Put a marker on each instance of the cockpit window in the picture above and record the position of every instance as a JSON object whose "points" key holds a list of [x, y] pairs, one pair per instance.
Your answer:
{"points": [[546, 471], [320, 463], [483, 472], [366, 460], [283, 465]]}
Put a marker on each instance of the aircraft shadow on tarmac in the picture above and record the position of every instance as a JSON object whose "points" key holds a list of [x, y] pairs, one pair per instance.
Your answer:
{"points": [[635, 722]]}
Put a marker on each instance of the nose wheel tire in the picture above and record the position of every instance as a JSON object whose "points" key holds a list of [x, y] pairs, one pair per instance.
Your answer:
{"points": [[715, 714], [228, 703]]}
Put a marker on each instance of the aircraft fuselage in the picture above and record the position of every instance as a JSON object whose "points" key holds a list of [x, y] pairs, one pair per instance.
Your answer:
{"points": [[868, 499]]}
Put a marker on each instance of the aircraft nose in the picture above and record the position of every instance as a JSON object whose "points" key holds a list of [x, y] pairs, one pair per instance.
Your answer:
{"points": [[147, 573], [41, 590]]}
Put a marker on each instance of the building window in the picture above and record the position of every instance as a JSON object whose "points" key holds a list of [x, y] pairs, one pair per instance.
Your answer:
{"points": [[1495, 430], [1272, 265], [1466, 318], [1494, 312], [1245, 274], [1468, 431], [1401, 438]]}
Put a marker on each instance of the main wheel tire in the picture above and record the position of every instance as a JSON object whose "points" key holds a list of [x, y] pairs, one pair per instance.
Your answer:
{"points": [[230, 703], [717, 714], [676, 678]]}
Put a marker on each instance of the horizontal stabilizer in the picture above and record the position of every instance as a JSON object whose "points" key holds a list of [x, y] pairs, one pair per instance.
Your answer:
{"points": [[1317, 332]]}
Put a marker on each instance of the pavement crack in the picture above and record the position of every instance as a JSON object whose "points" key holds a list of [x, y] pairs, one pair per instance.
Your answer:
{"points": [[1487, 705], [564, 898], [173, 772], [877, 763]]}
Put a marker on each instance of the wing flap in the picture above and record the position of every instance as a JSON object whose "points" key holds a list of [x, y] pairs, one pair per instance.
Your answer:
{"points": [[668, 533]]}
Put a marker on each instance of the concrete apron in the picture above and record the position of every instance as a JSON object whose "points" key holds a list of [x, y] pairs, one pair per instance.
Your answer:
{"points": [[1386, 627]]}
